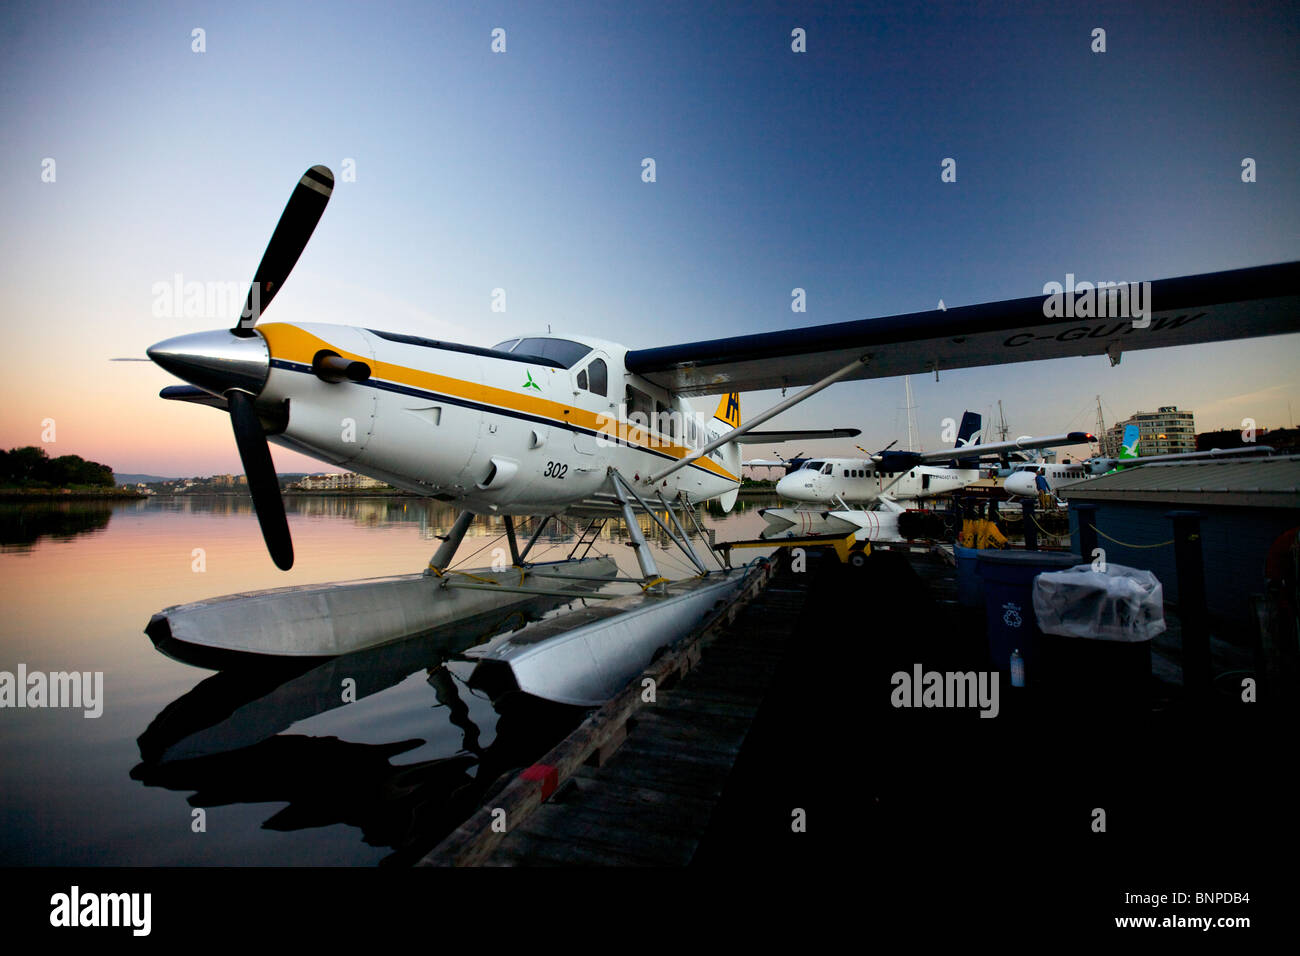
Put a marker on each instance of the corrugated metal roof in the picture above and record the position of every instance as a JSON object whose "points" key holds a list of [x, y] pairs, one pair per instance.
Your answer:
{"points": [[1248, 482]]}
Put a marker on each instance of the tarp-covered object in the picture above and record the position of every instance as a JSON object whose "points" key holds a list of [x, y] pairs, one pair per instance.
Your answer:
{"points": [[1117, 604]]}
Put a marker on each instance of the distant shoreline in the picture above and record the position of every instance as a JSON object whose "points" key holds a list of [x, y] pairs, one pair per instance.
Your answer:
{"points": [[242, 492], [68, 494]]}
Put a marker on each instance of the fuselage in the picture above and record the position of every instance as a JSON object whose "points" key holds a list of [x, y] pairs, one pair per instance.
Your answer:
{"points": [[530, 426], [855, 481], [1023, 480]]}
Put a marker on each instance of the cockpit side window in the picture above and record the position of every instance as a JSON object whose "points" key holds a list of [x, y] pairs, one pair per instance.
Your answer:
{"points": [[639, 403], [599, 377]]}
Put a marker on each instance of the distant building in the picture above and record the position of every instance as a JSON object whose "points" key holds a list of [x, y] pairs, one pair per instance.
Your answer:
{"points": [[336, 482], [1166, 431]]}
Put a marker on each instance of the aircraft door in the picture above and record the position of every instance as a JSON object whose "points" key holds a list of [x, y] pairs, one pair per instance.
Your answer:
{"points": [[592, 389]]}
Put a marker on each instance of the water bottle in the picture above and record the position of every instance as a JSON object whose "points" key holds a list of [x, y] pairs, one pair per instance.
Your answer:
{"points": [[1017, 669]]}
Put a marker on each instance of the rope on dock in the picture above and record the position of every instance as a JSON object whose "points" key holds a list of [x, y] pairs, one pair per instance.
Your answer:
{"points": [[1125, 544]]}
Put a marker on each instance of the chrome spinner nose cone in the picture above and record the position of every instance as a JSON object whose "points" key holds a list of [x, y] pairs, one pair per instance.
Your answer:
{"points": [[216, 361]]}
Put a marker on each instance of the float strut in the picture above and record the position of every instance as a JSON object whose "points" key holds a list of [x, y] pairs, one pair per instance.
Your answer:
{"points": [[510, 539], [665, 529], [533, 540], [447, 550], [643, 556], [684, 541]]}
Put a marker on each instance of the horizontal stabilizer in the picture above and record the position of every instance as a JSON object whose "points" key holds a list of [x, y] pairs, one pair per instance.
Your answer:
{"points": [[998, 448], [754, 437]]}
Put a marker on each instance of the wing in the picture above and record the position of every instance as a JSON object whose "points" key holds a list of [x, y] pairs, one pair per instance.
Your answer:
{"points": [[1213, 307], [1127, 463]]}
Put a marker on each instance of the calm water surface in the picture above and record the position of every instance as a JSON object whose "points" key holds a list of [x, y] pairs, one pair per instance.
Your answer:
{"points": [[285, 772]]}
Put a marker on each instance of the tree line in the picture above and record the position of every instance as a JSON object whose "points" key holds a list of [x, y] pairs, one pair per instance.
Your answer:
{"points": [[32, 467]]}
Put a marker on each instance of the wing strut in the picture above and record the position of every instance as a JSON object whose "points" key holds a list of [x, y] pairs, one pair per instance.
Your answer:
{"points": [[775, 410]]}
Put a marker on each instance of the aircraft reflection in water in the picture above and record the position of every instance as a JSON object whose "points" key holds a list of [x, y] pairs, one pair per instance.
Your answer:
{"points": [[223, 740], [433, 518], [23, 524]]}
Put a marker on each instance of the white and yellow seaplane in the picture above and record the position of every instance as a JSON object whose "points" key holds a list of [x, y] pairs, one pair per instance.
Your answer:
{"points": [[552, 425]]}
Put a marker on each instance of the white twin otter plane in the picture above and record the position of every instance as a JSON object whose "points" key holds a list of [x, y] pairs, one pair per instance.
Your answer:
{"points": [[567, 424], [826, 489]]}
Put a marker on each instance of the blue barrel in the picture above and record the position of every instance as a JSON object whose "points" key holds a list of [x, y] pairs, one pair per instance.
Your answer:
{"points": [[970, 586], [1008, 578]]}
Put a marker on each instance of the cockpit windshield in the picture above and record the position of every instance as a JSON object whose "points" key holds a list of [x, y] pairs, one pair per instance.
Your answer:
{"points": [[813, 465], [564, 351]]}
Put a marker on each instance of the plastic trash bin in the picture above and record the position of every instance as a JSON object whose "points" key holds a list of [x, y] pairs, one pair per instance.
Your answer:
{"points": [[970, 586], [1097, 626], [1008, 578]]}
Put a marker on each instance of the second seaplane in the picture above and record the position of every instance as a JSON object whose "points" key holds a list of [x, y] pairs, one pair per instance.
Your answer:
{"points": [[553, 425]]}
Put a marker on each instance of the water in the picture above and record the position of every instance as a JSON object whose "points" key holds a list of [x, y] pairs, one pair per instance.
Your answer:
{"points": [[283, 771]]}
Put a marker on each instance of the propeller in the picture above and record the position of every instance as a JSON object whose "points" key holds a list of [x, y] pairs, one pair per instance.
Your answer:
{"points": [[234, 365], [297, 223], [295, 227], [263, 484], [793, 463]]}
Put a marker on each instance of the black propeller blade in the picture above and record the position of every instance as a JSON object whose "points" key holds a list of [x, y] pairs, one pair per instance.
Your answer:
{"points": [[295, 227], [255, 453]]}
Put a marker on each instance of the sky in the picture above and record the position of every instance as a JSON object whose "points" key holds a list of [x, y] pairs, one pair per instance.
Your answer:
{"points": [[522, 170]]}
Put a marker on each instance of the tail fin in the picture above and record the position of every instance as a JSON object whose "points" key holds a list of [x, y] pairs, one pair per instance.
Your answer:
{"points": [[729, 410], [1128, 449], [972, 427], [729, 414]]}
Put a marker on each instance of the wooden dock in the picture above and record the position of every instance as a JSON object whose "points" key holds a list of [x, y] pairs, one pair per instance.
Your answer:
{"points": [[637, 783], [761, 713]]}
